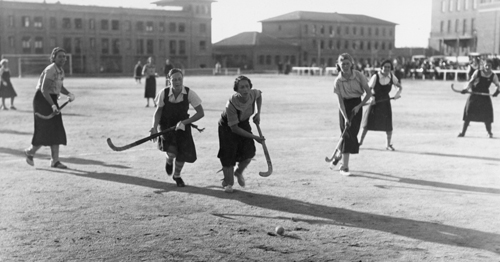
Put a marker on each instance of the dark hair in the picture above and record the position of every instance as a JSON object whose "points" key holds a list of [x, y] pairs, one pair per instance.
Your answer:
{"points": [[173, 71], [241, 78], [387, 61], [488, 61], [54, 53], [344, 56]]}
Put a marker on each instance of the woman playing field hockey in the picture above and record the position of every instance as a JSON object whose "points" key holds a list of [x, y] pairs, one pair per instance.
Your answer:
{"points": [[173, 106], [378, 116], [349, 86], [479, 107], [236, 141], [49, 132]]}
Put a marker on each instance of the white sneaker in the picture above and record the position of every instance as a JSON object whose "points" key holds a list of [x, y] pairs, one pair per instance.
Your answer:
{"points": [[345, 171], [228, 189]]}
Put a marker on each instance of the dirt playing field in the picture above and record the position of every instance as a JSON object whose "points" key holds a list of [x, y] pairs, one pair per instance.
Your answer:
{"points": [[436, 198]]}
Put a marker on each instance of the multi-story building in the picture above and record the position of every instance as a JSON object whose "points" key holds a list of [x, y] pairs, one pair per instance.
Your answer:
{"points": [[109, 40], [459, 27], [323, 36]]}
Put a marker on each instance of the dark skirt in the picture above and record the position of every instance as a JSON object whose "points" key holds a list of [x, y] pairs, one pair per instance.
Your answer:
{"points": [[235, 148], [350, 143], [478, 109], [7, 91], [378, 117], [181, 141], [51, 131], [150, 88]]}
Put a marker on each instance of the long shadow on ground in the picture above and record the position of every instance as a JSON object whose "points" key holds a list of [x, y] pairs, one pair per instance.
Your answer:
{"points": [[14, 132], [438, 154], [425, 231], [378, 176]]}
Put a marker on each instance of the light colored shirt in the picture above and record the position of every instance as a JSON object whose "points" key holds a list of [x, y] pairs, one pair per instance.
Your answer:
{"points": [[383, 80], [55, 74], [149, 70], [351, 87], [246, 109], [193, 98]]}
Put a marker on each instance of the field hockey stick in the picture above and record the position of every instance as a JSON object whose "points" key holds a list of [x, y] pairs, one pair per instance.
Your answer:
{"points": [[144, 140], [268, 158], [470, 92], [336, 153], [383, 100], [53, 113]]}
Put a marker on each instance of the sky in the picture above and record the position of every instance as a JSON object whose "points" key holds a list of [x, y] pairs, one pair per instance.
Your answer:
{"points": [[231, 17]]}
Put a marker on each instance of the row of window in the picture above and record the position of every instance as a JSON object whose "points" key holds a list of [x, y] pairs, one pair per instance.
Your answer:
{"points": [[105, 24], [267, 59], [354, 45], [457, 5], [322, 29], [108, 46], [464, 26]]}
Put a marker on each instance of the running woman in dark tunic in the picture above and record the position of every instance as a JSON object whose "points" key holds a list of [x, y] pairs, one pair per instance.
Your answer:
{"points": [[479, 107], [349, 86], [149, 72], [236, 141], [378, 116], [6, 88], [173, 106], [49, 132]]}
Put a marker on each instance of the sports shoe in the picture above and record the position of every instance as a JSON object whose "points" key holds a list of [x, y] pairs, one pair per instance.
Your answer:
{"points": [[228, 189], [179, 181], [4, 108], [224, 184], [390, 148], [490, 135], [13, 108], [345, 171], [29, 158], [169, 168], [58, 164], [241, 179], [461, 134]]}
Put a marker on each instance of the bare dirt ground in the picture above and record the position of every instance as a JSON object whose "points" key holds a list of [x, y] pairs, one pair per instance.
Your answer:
{"points": [[436, 198]]}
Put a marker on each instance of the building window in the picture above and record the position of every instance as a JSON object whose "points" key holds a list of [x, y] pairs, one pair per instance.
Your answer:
{"points": [[268, 59], [78, 23], [92, 24], [92, 43], [53, 41], [161, 45], [466, 4], [322, 29], [390, 32], [330, 30], [383, 31], [25, 21], [346, 44], [306, 29], [450, 6], [353, 45], [161, 26], [472, 25], [12, 21], [458, 5], [362, 31], [383, 45], [361, 45], [203, 46], [457, 22], [203, 28], [115, 25], [53, 23], [313, 29], [104, 25], [171, 27], [322, 44], [464, 27], [441, 27], [38, 45], [338, 44], [261, 59], [276, 59], [140, 46], [67, 44], [149, 26], [443, 6], [339, 29], [139, 26], [369, 31], [182, 47], [26, 45], [182, 27], [78, 45], [11, 42], [128, 44], [389, 46], [369, 45], [376, 31], [330, 44], [116, 46], [128, 26], [105, 46], [38, 22], [354, 30], [173, 47], [449, 26], [150, 46], [474, 4], [375, 46], [346, 30], [66, 23]]}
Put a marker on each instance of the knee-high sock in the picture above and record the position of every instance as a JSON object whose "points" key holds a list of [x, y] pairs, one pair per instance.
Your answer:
{"points": [[242, 165], [170, 158], [178, 168], [228, 174]]}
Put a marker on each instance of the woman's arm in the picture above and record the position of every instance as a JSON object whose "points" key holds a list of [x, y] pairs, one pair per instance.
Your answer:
{"points": [[197, 116], [242, 132], [398, 86], [256, 117], [46, 85]]}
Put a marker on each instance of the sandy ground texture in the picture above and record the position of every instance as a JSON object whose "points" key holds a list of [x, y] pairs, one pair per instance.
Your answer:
{"points": [[436, 198]]}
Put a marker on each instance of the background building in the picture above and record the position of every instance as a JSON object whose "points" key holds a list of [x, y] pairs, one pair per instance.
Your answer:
{"points": [[106, 40]]}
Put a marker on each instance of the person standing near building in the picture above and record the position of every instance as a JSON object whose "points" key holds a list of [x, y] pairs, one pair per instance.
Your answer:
{"points": [[475, 64], [479, 107], [236, 141], [349, 86], [378, 117], [49, 132], [166, 69], [6, 88], [149, 72], [138, 72], [173, 106]]}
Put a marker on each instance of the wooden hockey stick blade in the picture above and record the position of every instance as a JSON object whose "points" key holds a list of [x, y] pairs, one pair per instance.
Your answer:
{"points": [[144, 140], [268, 158], [52, 114], [469, 92]]}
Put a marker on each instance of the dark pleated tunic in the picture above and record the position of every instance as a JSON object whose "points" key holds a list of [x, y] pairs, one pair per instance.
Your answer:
{"points": [[150, 88], [51, 131], [378, 117], [350, 143], [479, 108]]}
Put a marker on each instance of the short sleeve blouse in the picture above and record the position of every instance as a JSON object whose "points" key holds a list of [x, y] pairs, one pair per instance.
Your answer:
{"points": [[51, 72], [351, 87], [247, 109]]}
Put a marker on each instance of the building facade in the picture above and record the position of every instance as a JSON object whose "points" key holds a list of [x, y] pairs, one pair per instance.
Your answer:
{"points": [[321, 37], [459, 27], [108, 40]]}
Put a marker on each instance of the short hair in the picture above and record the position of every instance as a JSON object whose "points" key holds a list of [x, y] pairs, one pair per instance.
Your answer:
{"points": [[344, 56], [173, 71], [387, 61], [54, 53], [238, 80]]}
